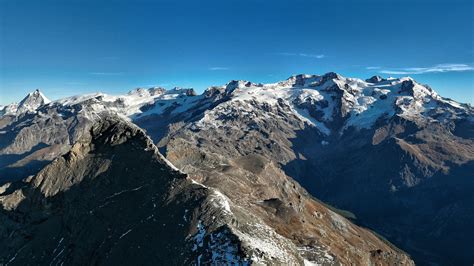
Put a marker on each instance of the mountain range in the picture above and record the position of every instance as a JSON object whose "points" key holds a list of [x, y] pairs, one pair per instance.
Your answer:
{"points": [[239, 173]]}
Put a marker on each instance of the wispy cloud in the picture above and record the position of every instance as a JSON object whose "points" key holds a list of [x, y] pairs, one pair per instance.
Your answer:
{"points": [[441, 68], [218, 68], [317, 56], [373, 67], [106, 73]]}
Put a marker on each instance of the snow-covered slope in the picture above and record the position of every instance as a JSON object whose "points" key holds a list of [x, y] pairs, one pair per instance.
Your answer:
{"points": [[135, 103], [333, 103], [129, 104]]}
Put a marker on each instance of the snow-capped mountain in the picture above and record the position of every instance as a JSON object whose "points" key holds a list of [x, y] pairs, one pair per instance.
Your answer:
{"points": [[29, 104], [325, 101], [320, 101], [376, 147]]}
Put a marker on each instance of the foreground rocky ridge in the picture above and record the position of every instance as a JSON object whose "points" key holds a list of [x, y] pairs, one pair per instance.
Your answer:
{"points": [[328, 132], [114, 199]]}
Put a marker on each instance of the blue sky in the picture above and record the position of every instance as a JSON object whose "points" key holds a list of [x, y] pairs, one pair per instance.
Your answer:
{"points": [[74, 47]]}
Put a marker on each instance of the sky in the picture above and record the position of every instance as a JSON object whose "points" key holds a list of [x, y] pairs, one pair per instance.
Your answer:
{"points": [[68, 47]]}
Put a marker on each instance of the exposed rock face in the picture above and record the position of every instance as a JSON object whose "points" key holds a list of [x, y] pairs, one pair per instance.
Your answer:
{"points": [[30, 141], [392, 151], [375, 79], [114, 199]]}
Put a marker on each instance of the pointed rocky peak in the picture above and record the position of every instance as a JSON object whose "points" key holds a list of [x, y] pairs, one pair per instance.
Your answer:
{"points": [[330, 76], [416, 90], [302, 77], [156, 91], [299, 80], [116, 140], [218, 92], [375, 79], [38, 95], [238, 84], [32, 101], [138, 92], [142, 92], [332, 81], [214, 91], [407, 85]]}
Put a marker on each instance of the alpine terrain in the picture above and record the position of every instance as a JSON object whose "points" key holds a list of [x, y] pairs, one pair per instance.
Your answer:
{"points": [[239, 174]]}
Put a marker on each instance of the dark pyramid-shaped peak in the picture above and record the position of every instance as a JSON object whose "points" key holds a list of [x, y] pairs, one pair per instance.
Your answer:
{"points": [[375, 79], [32, 101]]}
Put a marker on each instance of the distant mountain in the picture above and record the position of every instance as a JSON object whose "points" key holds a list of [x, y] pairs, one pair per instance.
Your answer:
{"points": [[114, 199], [29, 104], [392, 151]]}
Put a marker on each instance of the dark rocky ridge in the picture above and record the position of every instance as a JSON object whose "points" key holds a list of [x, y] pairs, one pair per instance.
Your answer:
{"points": [[102, 202], [113, 199]]}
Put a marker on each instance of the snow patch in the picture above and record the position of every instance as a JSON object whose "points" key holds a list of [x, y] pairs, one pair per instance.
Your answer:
{"points": [[218, 248], [265, 244], [310, 263], [199, 237], [221, 201]]}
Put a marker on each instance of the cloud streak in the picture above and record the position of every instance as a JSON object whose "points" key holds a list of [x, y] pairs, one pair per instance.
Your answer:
{"points": [[441, 68], [218, 68], [317, 56]]}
